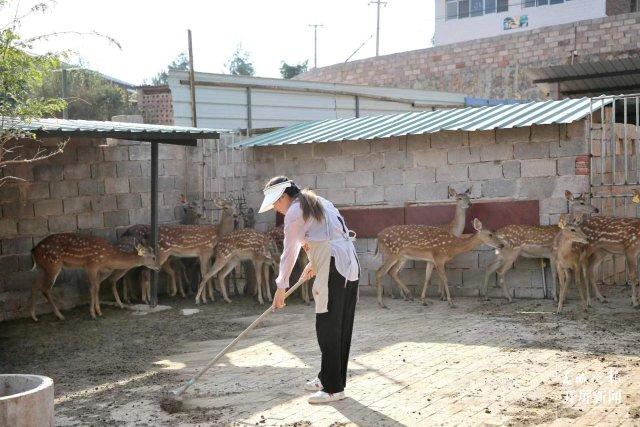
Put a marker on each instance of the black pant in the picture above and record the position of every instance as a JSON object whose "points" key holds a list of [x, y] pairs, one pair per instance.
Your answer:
{"points": [[334, 330]]}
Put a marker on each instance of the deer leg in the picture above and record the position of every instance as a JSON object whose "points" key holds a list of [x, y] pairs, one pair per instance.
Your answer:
{"points": [[38, 283], [257, 267], [178, 270], [224, 272], [632, 262], [265, 279], [491, 268], [94, 283], [217, 266], [380, 272], [393, 272], [443, 277], [167, 268], [584, 293], [427, 277], [113, 279], [126, 291], [593, 263], [554, 277], [562, 278]]}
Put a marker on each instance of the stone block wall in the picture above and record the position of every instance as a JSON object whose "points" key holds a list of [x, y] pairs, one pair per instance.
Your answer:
{"points": [[494, 67], [91, 188], [532, 163]]}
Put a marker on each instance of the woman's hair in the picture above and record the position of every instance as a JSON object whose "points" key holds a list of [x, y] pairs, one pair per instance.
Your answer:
{"points": [[311, 206]]}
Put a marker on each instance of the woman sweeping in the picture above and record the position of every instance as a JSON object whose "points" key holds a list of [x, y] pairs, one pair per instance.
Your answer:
{"points": [[315, 224]]}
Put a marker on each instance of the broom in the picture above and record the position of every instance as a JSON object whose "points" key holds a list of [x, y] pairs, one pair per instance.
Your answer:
{"points": [[172, 402]]}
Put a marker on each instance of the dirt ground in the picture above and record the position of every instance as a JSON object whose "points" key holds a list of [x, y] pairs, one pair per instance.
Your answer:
{"points": [[481, 363]]}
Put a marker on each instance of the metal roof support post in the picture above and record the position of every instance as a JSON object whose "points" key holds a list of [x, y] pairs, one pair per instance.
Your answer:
{"points": [[249, 124], [154, 220], [357, 106]]}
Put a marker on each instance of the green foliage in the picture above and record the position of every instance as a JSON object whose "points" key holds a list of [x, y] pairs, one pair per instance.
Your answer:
{"points": [[290, 71], [89, 95], [181, 62], [240, 63]]}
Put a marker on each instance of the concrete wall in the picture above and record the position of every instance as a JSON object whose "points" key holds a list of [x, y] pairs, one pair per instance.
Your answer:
{"points": [[521, 164], [90, 188], [490, 25], [493, 67]]}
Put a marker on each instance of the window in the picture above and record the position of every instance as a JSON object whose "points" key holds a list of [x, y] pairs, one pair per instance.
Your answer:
{"points": [[456, 9], [534, 3]]}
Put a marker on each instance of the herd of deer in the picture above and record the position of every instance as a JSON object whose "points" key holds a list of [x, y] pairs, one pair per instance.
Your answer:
{"points": [[575, 246]]}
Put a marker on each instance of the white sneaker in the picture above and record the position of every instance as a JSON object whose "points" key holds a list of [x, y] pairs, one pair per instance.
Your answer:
{"points": [[313, 385], [322, 397]]}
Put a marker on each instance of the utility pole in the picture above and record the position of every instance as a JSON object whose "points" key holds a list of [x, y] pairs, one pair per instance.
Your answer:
{"points": [[378, 3], [315, 43], [65, 112]]}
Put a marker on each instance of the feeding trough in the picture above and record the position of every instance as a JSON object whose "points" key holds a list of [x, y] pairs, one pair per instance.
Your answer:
{"points": [[26, 400]]}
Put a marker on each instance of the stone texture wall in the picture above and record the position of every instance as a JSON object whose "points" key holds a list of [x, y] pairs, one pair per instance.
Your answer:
{"points": [[524, 163], [154, 103], [90, 188], [493, 67]]}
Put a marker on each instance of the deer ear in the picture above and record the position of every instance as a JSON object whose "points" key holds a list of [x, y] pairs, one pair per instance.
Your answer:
{"points": [[568, 195], [477, 225], [452, 192], [562, 222], [140, 249], [468, 191]]}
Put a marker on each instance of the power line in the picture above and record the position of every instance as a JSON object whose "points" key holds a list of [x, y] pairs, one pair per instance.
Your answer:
{"points": [[378, 3], [315, 43]]}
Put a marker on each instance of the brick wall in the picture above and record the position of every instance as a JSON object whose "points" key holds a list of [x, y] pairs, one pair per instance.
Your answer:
{"points": [[155, 105], [90, 188], [493, 67], [536, 163]]}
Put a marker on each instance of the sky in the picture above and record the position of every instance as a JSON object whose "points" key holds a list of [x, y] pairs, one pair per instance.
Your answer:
{"points": [[153, 32]]}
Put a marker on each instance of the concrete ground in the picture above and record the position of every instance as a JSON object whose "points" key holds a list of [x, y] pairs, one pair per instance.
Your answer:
{"points": [[481, 363]]}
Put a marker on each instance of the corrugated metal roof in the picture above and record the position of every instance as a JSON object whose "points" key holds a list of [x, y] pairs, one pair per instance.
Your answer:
{"points": [[614, 76], [179, 135], [415, 123]]}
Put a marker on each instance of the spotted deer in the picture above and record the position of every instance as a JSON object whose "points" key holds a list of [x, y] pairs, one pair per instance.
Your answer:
{"points": [[567, 258], [241, 245], [424, 243], [75, 251], [188, 241], [612, 235], [530, 241], [455, 227]]}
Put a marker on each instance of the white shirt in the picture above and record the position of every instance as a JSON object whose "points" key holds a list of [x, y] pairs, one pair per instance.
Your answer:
{"points": [[297, 232]]}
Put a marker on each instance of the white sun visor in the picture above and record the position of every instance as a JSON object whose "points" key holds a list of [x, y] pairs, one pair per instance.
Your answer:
{"points": [[272, 194]]}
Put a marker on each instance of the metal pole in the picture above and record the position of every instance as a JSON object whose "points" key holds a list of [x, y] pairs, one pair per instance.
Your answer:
{"points": [[249, 125], [154, 220], [65, 112], [315, 43], [626, 152], [378, 3], [614, 142], [357, 106], [194, 115]]}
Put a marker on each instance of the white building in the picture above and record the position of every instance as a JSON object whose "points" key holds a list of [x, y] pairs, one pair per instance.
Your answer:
{"points": [[464, 20]]}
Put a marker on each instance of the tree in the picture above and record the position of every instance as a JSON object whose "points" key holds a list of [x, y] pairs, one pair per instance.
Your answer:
{"points": [[21, 74], [240, 63], [181, 62], [290, 71], [89, 95]]}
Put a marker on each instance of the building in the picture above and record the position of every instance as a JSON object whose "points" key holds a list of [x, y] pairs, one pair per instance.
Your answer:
{"points": [[519, 64], [254, 103], [466, 20]]}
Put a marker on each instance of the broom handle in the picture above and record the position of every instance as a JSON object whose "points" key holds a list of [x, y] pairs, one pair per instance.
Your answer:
{"points": [[235, 341]]}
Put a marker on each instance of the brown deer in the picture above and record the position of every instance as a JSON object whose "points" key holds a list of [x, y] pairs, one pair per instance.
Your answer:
{"points": [[431, 244], [529, 241], [241, 245], [567, 258], [188, 241], [75, 251], [455, 227], [610, 235]]}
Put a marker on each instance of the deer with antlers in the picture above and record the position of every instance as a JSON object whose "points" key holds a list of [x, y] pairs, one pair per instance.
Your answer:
{"points": [[567, 258], [530, 241], [431, 244], [455, 228], [75, 251], [241, 245]]}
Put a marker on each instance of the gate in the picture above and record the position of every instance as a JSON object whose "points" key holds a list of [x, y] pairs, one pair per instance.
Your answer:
{"points": [[615, 166]]}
